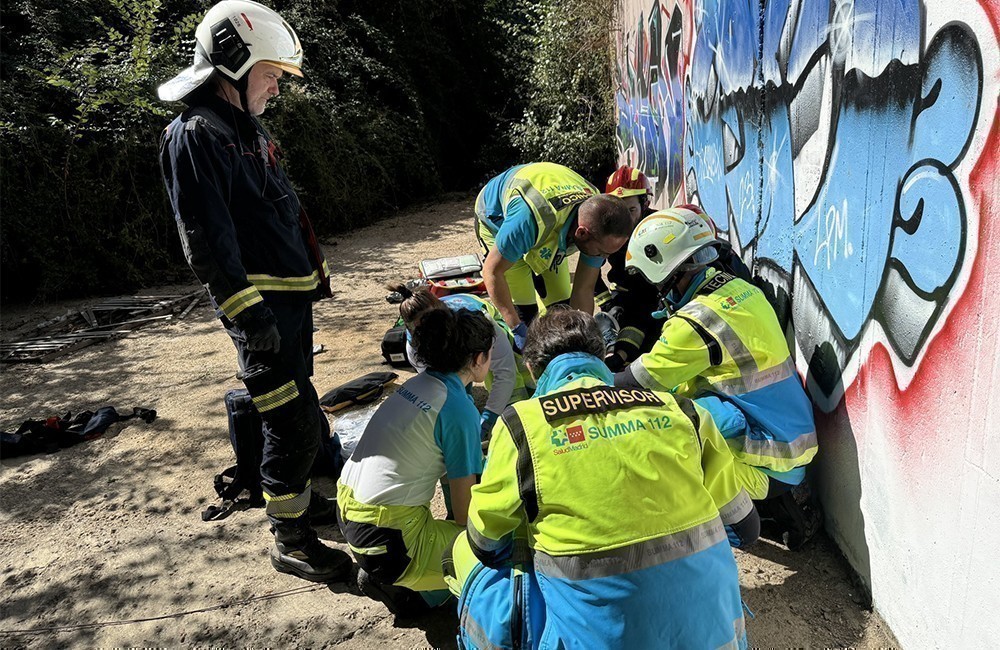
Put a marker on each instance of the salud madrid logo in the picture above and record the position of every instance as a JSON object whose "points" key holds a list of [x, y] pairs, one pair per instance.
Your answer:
{"points": [[572, 439]]}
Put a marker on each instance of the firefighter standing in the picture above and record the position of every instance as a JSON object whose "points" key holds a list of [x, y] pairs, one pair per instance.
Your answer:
{"points": [[248, 240]]}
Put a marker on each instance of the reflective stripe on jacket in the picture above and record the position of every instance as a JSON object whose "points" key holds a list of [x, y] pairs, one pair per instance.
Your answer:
{"points": [[553, 192], [727, 342], [623, 494], [241, 225]]}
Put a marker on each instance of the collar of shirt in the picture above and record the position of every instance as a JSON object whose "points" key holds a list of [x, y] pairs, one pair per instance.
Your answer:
{"points": [[572, 365]]}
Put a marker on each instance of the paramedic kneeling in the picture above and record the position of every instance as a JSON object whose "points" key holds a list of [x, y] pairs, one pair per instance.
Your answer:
{"points": [[428, 429], [624, 497]]}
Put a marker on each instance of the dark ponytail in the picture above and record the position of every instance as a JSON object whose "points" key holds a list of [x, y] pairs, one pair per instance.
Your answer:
{"points": [[415, 303], [447, 341]]}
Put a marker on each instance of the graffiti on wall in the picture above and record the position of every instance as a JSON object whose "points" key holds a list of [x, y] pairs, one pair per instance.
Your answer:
{"points": [[649, 97], [823, 137]]}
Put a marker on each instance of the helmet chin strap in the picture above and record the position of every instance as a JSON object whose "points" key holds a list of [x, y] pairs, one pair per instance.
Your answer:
{"points": [[240, 85]]}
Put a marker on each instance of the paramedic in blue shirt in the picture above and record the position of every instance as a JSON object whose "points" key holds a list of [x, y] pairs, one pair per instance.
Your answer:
{"points": [[427, 429], [528, 220]]}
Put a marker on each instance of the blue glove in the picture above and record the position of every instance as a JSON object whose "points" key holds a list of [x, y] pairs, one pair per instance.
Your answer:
{"points": [[486, 422], [734, 538], [520, 336]]}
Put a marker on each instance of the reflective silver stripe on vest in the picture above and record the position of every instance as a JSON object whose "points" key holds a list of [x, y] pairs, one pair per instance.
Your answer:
{"points": [[476, 633], [756, 380], [773, 448], [484, 543], [734, 511], [633, 557], [727, 337], [644, 377], [538, 203]]}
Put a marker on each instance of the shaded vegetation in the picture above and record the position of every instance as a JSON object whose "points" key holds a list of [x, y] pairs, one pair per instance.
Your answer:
{"points": [[401, 100]]}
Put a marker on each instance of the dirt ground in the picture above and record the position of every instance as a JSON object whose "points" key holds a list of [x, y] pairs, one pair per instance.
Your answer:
{"points": [[104, 544]]}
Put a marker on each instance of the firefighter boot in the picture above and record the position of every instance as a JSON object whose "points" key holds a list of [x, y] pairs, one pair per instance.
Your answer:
{"points": [[298, 551]]}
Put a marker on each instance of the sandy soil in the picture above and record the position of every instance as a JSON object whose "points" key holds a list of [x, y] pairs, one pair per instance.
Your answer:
{"points": [[104, 544]]}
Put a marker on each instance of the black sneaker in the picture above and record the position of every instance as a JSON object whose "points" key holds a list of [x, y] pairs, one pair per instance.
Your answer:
{"points": [[309, 559], [400, 600]]}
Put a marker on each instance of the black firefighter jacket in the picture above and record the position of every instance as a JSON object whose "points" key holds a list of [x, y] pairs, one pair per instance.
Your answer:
{"points": [[241, 225]]}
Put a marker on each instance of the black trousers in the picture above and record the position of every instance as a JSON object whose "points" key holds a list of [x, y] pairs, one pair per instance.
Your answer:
{"points": [[282, 391]]}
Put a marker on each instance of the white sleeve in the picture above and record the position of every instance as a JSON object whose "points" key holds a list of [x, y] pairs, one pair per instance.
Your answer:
{"points": [[504, 371], [411, 355]]}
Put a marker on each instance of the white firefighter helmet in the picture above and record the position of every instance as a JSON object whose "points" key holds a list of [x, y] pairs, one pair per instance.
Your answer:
{"points": [[668, 241], [231, 38]]}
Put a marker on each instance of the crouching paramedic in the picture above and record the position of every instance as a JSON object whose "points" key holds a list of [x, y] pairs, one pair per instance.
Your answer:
{"points": [[631, 301], [508, 381], [621, 495], [427, 429], [528, 220], [248, 240], [723, 346]]}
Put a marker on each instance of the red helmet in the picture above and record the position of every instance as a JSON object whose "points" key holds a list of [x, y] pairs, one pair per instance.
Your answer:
{"points": [[701, 213], [628, 181]]}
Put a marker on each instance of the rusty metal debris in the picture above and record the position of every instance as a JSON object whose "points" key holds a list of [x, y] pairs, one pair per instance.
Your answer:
{"points": [[108, 320]]}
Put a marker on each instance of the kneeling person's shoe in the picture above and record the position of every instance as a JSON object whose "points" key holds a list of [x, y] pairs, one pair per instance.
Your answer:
{"points": [[400, 601], [310, 559]]}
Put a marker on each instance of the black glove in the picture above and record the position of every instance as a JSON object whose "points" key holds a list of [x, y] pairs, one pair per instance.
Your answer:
{"points": [[615, 362], [259, 329]]}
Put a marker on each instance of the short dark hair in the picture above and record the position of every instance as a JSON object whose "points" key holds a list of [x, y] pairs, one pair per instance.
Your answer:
{"points": [[447, 341], [561, 330], [605, 216]]}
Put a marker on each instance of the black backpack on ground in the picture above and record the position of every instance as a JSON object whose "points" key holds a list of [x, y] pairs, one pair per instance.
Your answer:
{"points": [[394, 347], [246, 433]]}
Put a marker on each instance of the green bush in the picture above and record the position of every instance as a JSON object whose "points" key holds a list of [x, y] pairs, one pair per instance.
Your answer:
{"points": [[569, 111], [402, 99]]}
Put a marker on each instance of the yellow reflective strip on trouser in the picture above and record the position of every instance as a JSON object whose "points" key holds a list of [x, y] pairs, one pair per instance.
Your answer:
{"points": [[369, 550], [424, 537], [633, 557], [236, 303], [288, 506], [272, 400], [542, 208], [715, 324], [602, 298], [632, 336], [734, 511], [274, 283]]}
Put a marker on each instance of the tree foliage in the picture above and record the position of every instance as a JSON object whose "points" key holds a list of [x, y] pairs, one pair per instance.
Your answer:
{"points": [[401, 100]]}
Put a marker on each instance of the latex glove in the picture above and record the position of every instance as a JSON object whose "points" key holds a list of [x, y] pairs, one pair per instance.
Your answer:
{"points": [[260, 330], [520, 336], [486, 422]]}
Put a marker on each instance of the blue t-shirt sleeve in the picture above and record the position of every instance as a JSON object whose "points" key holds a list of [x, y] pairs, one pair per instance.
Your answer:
{"points": [[518, 232], [590, 260], [456, 432]]}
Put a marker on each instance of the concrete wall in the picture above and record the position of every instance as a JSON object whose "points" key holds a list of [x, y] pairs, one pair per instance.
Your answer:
{"points": [[849, 149]]}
